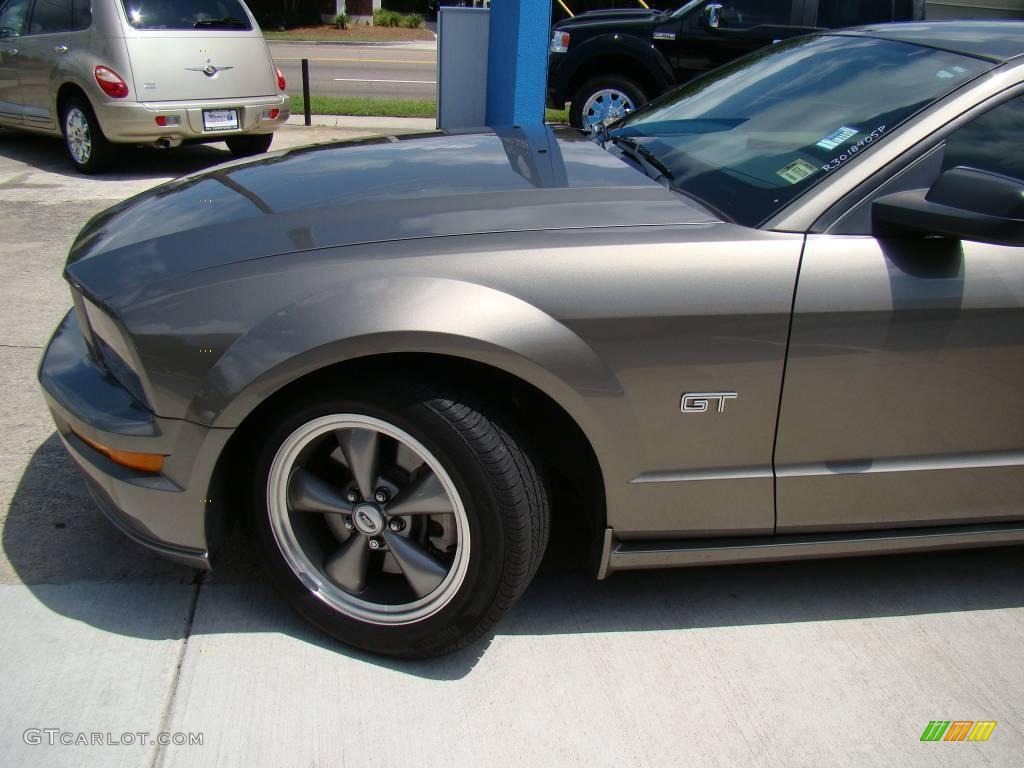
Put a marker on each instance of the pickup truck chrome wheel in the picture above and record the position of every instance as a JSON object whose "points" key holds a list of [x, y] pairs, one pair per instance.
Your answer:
{"points": [[368, 519], [604, 100], [79, 137], [604, 107]]}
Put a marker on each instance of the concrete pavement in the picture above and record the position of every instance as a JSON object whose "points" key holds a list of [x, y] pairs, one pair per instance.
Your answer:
{"points": [[838, 663]]}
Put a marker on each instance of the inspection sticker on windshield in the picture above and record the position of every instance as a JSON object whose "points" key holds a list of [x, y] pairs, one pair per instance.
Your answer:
{"points": [[796, 171], [837, 138]]}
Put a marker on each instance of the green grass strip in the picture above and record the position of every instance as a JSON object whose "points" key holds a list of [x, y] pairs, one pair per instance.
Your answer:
{"points": [[368, 107]]}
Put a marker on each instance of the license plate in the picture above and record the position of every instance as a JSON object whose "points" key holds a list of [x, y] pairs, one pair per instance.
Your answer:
{"points": [[220, 119]]}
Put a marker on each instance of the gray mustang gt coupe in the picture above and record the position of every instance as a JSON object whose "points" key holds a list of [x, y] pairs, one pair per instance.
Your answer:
{"points": [[777, 313]]}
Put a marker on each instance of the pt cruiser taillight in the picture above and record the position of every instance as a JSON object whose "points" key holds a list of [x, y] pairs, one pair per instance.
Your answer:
{"points": [[280, 79], [112, 83]]}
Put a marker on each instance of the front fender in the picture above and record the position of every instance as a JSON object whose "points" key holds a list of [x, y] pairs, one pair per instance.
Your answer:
{"points": [[402, 315]]}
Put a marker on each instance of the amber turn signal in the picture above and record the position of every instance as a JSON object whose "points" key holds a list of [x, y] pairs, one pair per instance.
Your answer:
{"points": [[142, 462]]}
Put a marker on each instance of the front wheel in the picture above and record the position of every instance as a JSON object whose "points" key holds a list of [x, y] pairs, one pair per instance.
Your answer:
{"points": [[247, 145], [603, 100], [401, 523]]}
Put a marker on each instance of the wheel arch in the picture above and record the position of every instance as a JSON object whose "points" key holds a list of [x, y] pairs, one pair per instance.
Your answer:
{"points": [[67, 91], [571, 464], [624, 56]]}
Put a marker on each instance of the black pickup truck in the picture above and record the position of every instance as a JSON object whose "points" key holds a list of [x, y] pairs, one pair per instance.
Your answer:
{"points": [[608, 63]]}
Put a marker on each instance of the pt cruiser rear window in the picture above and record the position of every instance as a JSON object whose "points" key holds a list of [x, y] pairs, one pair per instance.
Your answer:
{"points": [[186, 14]]}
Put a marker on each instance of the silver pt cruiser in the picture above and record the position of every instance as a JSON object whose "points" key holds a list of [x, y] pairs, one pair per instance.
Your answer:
{"points": [[158, 72], [776, 314]]}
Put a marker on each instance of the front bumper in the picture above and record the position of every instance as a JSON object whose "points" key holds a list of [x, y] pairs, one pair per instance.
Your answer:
{"points": [[173, 512], [556, 97], [135, 122]]}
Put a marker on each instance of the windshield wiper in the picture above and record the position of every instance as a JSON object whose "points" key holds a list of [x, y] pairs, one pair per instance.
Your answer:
{"points": [[641, 154], [226, 21]]}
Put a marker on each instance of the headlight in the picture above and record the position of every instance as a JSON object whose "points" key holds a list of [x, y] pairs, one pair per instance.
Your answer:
{"points": [[559, 42], [113, 350]]}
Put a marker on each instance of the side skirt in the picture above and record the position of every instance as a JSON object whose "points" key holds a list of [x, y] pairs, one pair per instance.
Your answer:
{"points": [[636, 555]]}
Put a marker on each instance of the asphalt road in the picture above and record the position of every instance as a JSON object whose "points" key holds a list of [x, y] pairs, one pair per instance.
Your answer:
{"points": [[403, 71], [833, 663]]}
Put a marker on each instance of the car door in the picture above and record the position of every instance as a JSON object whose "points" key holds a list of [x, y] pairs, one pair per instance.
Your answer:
{"points": [[718, 32], [13, 14], [48, 39], [903, 399]]}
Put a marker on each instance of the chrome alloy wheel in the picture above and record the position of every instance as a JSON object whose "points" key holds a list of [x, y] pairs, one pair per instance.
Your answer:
{"points": [[605, 106], [79, 138], [368, 519]]}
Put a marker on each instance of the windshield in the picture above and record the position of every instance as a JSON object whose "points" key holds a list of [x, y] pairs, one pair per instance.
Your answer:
{"points": [[186, 14], [753, 135], [685, 8]]}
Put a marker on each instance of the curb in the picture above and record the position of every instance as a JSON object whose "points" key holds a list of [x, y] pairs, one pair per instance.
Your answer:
{"points": [[364, 123]]}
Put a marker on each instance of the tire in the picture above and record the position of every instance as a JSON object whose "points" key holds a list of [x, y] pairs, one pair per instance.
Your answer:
{"points": [[625, 96], [250, 144], [88, 148], [499, 522]]}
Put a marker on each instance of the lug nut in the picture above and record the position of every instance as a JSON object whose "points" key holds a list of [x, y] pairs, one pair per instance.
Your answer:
{"points": [[349, 526], [374, 544], [382, 495], [352, 495], [396, 525]]}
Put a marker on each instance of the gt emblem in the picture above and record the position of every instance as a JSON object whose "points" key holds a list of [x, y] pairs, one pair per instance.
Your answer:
{"points": [[698, 402]]}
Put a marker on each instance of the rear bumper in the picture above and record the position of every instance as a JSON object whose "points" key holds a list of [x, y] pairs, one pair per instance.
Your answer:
{"points": [[172, 512], [133, 122]]}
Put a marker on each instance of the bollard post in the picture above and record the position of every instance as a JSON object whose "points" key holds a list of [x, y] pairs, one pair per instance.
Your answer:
{"points": [[305, 91]]}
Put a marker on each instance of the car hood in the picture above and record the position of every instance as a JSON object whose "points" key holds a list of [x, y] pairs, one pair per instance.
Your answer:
{"points": [[358, 192], [636, 21]]}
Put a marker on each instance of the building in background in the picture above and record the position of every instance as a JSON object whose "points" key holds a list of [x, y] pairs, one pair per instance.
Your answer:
{"points": [[975, 9]]}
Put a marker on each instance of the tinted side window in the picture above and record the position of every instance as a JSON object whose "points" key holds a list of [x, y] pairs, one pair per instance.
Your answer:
{"points": [[847, 13], [993, 142], [81, 14], [12, 17], [741, 14], [50, 16]]}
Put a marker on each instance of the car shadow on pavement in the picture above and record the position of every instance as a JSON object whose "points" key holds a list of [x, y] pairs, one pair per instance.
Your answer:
{"points": [[54, 535], [130, 162]]}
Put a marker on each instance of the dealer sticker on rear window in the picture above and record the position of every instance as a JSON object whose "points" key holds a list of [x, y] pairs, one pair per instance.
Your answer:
{"points": [[837, 138], [796, 171]]}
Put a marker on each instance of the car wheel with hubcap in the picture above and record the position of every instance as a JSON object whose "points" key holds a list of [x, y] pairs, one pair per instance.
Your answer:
{"points": [[87, 146], [604, 100], [250, 144], [401, 524]]}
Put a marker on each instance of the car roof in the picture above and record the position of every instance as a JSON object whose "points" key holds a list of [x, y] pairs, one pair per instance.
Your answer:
{"points": [[996, 41]]}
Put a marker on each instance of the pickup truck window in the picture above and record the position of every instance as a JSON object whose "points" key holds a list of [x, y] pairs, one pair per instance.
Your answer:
{"points": [[742, 14], [750, 137]]}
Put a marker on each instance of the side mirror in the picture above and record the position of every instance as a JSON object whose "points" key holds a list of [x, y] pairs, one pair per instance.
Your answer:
{"points": [[963, 203], [713, 15]]}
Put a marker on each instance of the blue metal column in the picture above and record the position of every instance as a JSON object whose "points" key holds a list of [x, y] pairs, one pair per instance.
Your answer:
{"points": [[517, 62]]}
